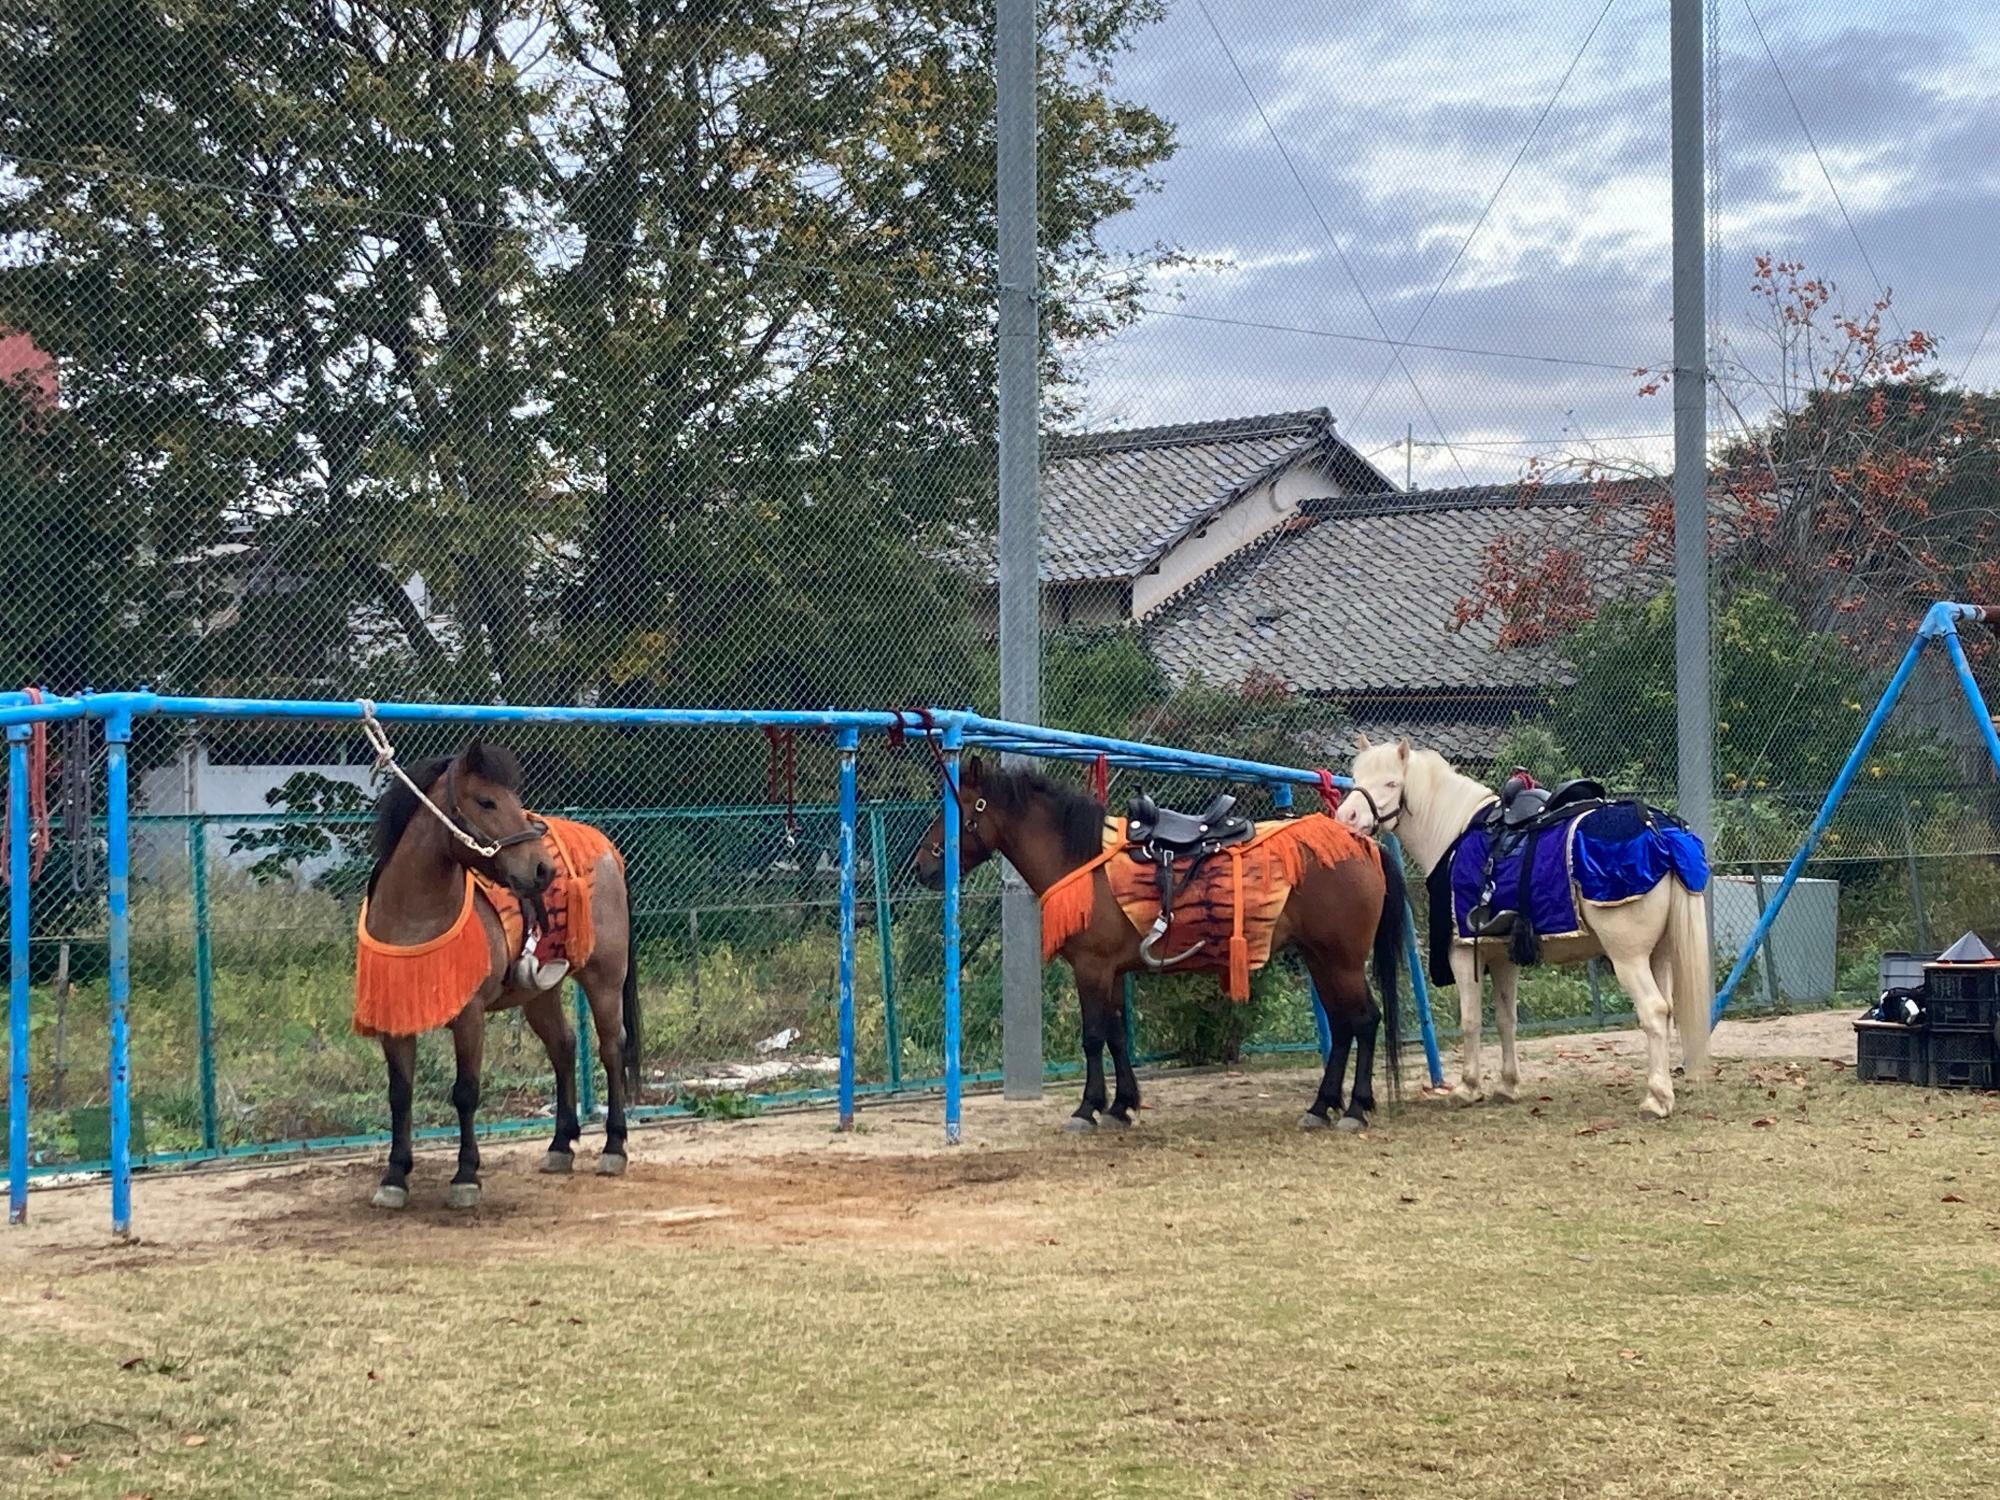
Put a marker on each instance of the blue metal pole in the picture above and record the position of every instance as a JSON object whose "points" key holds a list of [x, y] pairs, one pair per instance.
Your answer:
{"points": [[204, 979], [1281, 799], [849, 742], [1420, 989], [1031, 739], [1981, 715], [118, 886], [885, 941], [18, 736], [1825, 815], [952, 741]]}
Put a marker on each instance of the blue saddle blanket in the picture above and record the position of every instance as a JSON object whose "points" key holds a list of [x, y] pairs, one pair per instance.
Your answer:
{"points": [[1605, 854]]}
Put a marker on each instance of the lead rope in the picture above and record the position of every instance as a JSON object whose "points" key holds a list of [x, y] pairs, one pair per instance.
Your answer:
{"points": [[385, 760]]}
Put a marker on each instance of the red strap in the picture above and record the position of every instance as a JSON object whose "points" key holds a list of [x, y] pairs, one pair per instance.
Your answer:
{"points": [[923, 719], [1328, 792], [1100, 778]]}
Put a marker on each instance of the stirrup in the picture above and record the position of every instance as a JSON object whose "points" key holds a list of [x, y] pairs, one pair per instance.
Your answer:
{"points": [[538, 976], [1486, 923], [1159, 930]]}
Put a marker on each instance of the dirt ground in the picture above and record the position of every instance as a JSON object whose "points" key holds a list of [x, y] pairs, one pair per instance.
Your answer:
{"points": [[787, 1179]]}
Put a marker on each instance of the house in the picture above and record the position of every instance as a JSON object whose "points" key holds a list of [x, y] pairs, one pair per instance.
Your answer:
{"points": [[1354, 602], [1129, 519]]}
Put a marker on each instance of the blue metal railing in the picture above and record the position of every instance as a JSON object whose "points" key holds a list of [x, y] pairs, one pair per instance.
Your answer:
{"points": [[954, 731]]}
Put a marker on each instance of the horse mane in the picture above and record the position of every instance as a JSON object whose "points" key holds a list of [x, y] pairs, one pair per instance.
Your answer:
{"points": [[398, 804], [1079, 816]]}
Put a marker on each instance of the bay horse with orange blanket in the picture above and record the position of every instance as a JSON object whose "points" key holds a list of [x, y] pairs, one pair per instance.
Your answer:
{"points": [[1304, 882], [460, 864]]}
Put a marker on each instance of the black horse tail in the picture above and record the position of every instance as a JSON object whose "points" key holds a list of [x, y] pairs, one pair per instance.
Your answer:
{"points": [[1389, 939], [630, 1048]]}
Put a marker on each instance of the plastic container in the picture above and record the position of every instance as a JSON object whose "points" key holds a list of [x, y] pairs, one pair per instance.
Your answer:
{"points": [[1903, 971], [1886, 1052], [1959, 1057]]}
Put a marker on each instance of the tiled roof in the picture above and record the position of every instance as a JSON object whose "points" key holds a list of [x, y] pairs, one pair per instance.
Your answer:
{"points": [[1114, 503], [1358, 598]]}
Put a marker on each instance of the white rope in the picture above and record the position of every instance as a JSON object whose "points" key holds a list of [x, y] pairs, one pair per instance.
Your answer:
{"points": [[385, 760]]}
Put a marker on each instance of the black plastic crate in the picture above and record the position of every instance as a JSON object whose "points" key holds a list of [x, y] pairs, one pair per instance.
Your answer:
{"points": [[1886, 1052], [1956, 982], [1959, 1057], [1961, 1012]]}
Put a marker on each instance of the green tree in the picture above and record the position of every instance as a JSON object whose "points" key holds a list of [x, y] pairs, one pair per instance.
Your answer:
{"points": [[588, 314]]}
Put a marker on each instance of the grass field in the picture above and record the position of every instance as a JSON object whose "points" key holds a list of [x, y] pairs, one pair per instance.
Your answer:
{"points": [[1791, 1289]]}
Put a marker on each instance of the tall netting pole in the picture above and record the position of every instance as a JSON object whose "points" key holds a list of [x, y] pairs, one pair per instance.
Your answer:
{"points": [[1695, 725], [1020, 613]]}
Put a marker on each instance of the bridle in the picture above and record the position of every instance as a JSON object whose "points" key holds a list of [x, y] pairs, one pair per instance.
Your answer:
{"points": [[1384, 823], [453, 820], [969, 837]]}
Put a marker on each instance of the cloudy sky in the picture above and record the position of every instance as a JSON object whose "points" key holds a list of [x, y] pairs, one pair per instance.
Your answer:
{"points": [[1404, 117]]}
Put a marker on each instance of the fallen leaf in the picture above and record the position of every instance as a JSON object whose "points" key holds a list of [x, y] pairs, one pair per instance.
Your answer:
{"points": [[373, 1376], [1596, 1127], [534, 1302], [133, 1363], [194, 1440], [1628, 1354], [1407, 1198], [1767, 1323], [1763, 1122], [1714, 1223], [1951, 1198]]}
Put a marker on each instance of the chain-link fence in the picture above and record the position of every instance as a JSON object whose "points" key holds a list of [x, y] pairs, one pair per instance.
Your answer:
{"points": [[583, 354]]}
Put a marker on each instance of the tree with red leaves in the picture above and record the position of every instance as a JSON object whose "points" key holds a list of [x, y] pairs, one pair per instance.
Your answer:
{"points": [[1853, 472]]}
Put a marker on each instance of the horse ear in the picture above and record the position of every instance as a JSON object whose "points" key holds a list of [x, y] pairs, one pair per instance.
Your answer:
{"points": [[969, 773], [1402, 750], [1361, 741], [475, 757]]}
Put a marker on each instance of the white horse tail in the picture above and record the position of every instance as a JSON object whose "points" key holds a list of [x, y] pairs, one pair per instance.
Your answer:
{"points": [[1694, 974]]}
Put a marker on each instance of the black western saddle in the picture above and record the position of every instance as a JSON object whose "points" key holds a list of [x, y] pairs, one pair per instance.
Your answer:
{"points": [[1163, 838], [1524, 810]]}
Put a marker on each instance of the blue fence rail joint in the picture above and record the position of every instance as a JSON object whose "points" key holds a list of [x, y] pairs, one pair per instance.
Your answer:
{"points": [[1940, 623], [952, 730]]}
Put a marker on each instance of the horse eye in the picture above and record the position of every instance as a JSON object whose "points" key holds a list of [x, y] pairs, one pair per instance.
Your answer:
{"points": [[489, 804]]}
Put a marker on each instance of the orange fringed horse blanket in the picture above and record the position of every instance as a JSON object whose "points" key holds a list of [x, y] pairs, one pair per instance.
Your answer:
{"points": [[1231, 905], [404, 991]]}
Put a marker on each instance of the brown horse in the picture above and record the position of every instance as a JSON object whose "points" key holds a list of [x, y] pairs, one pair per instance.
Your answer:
{"points": [[441, 929], [1332, 916]]}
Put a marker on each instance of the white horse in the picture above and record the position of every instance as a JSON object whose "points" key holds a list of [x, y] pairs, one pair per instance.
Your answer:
{"points": [[1657, 943]]}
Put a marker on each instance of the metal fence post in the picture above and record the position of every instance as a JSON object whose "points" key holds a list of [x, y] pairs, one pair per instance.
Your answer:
{"points": [[586, 1067], [892, 1031], [204, 979], [1695, 729], [1916, 879], [849, 742], [18, 736], [953, 737], [1016, 30], [118, 889], [1420, 989]]}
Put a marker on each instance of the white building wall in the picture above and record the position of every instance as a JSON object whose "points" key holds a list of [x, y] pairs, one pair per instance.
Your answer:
{"points": [[1257, 513]]}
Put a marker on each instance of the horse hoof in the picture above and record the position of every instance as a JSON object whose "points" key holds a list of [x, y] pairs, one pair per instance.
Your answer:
{"points": [[391, 1197], [611, 1164], [1078, 1125], [1503, 1095], [1114, 1122], [1311, 1121], [1463, 1097], [560, 1163], [463, 1195], [1348, 1125], [1652, 1109]]}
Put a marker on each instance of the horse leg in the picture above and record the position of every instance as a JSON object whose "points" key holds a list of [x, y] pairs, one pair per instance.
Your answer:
{"points": [[468, 1040], [1125, 1100], [1093, 994], [1506, 979], [1465, 974], [1340, 1031], [400, 1053], [1635, 973], [545, 1015], [607, 996]]}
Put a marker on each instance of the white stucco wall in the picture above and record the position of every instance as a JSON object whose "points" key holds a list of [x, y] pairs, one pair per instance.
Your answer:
{"points": [[1264, 508], [194, 784]]}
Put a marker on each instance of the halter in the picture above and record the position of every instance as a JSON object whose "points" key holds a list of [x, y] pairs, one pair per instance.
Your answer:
{"points": [[968, 832], [1383, 824], [385, 760]]}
